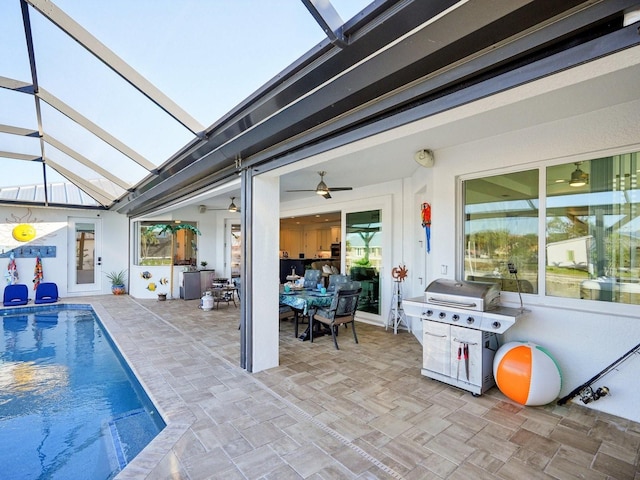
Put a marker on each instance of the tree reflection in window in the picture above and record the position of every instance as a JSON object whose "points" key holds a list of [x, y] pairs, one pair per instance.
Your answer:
{"points": [[592, 229], [501, 226]]}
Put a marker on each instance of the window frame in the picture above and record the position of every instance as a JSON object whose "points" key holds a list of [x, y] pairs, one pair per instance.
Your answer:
{"points": [[137, 246], [540, 298]]}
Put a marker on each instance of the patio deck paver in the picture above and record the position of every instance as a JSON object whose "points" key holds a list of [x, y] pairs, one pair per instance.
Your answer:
{"points": [[363, 412]]}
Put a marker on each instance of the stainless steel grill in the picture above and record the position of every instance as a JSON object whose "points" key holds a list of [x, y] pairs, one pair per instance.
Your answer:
{"points": [[467, 295], [460, 323]]}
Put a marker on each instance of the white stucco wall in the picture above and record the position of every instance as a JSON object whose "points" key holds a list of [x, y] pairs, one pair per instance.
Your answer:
{"points": [[52, 230], [583, 336], [208, 245]]}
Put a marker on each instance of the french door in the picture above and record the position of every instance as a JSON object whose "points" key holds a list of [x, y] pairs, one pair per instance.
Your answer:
{"points": [[85, 257]]}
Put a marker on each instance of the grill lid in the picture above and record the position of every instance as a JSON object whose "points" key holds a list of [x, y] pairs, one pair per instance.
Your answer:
{"points": [[479, 296]]}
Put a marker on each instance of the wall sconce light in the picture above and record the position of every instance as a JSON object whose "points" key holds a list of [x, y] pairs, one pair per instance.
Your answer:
{"points": [[424, 157], [232, 207], [578, 177]]}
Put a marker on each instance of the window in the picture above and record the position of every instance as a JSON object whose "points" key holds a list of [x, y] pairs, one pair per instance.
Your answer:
{"points": [[501, 226], [591, 242], [155, 248], [593, 230]]}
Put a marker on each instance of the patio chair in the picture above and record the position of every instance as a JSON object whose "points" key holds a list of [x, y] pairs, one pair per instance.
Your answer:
{"points": [[47, 292], [311, 278], [336, 280], [341, 311], [223, 295], [17, 294]]}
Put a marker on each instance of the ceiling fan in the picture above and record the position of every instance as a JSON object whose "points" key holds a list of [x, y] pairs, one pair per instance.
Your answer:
{"points": [[322, 188], [233, 208]]}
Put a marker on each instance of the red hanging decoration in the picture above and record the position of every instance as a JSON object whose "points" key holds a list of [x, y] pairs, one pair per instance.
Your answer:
{"points": [[426, 223]]}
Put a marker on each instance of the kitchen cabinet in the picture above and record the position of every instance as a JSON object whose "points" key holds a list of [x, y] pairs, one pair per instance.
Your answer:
{"points": [[310, 243], [291, 241], [335, 233], [323, 239]]}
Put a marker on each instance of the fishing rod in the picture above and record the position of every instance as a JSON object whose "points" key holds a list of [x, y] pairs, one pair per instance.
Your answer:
{"points": [[587, 394]]}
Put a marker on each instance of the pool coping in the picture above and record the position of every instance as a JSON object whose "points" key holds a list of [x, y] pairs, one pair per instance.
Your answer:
{"points": [[172, 408]]}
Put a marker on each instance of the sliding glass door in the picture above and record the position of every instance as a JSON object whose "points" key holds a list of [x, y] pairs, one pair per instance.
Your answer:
{"points": [[363, 260]]}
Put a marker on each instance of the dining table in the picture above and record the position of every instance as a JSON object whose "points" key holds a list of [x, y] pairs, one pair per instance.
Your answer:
{"points": [[306, 301]]}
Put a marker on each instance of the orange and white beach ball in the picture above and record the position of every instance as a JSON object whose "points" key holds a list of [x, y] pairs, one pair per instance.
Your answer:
{"points": [[527, 373]]}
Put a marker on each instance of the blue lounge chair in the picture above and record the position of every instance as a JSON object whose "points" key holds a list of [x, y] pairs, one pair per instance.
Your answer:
{"points": [[15, 295], [47, 292]]}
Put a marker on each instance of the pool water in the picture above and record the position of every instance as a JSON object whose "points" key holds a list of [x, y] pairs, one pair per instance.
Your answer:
{"points": [[70, 408]]}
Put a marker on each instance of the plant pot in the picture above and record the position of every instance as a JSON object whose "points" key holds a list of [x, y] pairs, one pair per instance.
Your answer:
{"points": [[118, 289], [162, 297]]}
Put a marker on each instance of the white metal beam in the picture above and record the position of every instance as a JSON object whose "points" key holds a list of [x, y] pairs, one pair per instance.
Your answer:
{"points": [[21, 132], [20, 156], [93, 128], [99, 195], [86, 162]]}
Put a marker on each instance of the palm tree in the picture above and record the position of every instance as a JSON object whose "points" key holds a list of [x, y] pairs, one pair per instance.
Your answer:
{"points": [[172, 228]]}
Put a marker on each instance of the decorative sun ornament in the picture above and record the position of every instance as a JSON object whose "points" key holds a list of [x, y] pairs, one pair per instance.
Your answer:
{"points": [[24, 232], [399, 273]]}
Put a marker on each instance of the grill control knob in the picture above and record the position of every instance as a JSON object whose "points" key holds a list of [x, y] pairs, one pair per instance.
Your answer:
{"points": [[428, 313], [455, 317], [470, 320], [442, 315], [495, 325]]}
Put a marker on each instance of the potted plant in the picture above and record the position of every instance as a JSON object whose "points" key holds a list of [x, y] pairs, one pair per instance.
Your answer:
{"points": [[203, 264], [118, 280]]}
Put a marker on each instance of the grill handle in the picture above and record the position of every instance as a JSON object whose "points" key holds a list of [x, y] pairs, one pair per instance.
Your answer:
{"points": [[437, 301], [464, 342], [435, 335]]}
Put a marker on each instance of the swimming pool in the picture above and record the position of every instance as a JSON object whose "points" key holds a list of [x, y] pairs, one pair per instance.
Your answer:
{"points": [[70, 407]]}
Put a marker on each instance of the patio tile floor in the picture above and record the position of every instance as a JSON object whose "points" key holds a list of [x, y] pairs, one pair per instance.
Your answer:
{"points": [[363, 412]]}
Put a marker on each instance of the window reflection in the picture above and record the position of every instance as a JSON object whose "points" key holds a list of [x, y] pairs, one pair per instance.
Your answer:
{"points": [[154, 248], [593, 230], [364, 256], [501, 226]]}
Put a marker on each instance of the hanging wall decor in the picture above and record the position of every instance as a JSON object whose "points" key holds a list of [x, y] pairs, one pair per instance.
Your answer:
{"points": [[42, 251], [24, 232], [426, 223]]}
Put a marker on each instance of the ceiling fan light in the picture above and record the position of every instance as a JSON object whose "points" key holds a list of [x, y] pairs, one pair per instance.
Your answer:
{"points": [[578, 177], [232, 207], [322, 188]]}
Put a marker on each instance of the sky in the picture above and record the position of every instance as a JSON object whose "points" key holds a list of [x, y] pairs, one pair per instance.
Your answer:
{"points": [[206, 55]]}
